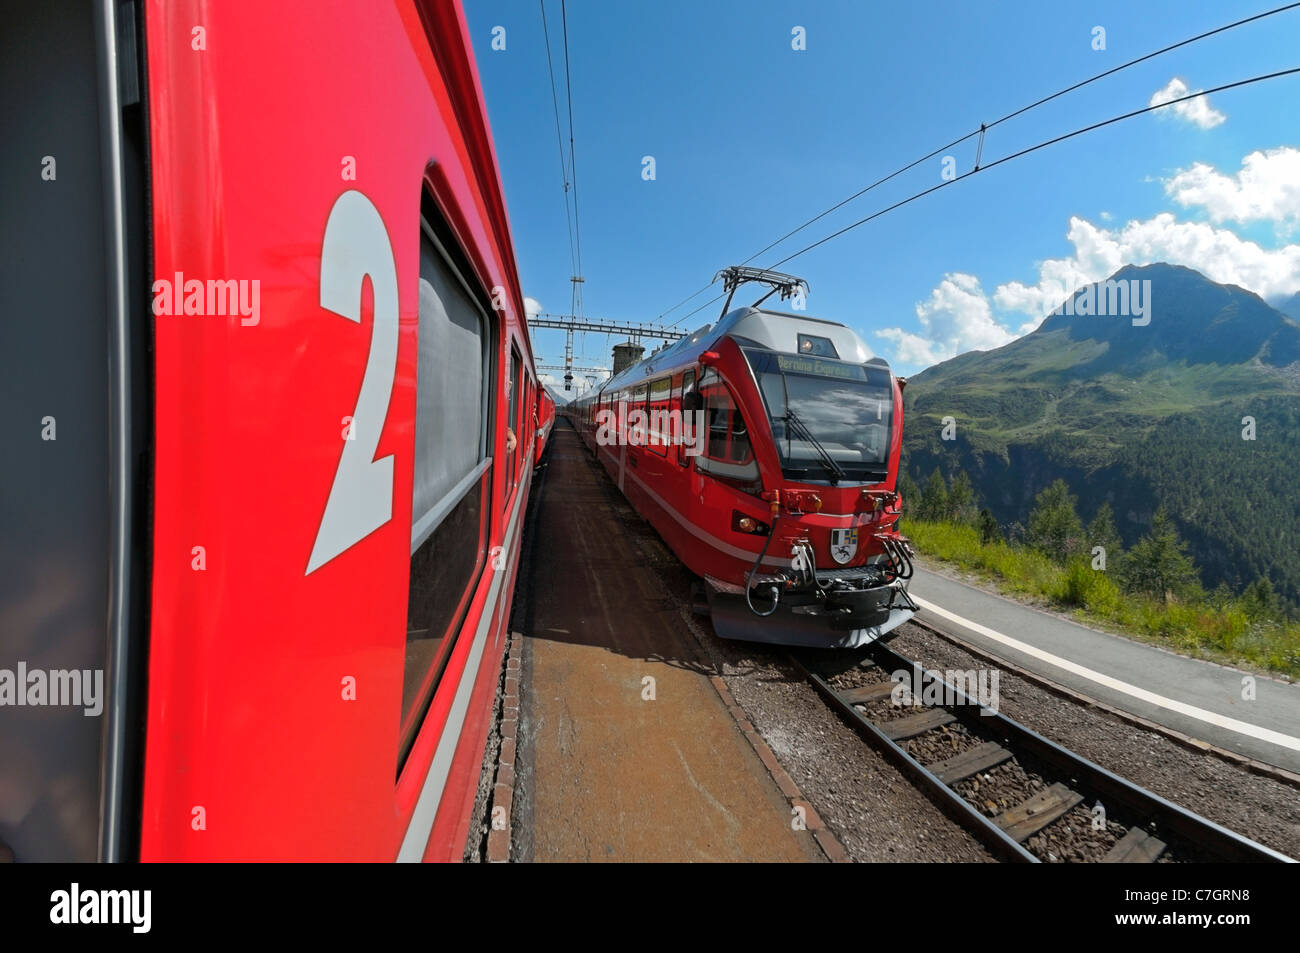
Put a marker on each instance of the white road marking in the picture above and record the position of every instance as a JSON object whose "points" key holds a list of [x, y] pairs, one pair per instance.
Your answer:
{"points": [[1191, 711]]}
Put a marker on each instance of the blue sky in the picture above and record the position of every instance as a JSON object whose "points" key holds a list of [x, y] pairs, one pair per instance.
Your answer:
{"points": [[751, 137]]}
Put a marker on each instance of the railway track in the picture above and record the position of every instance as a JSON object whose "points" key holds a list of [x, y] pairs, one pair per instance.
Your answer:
{"points": [[1023, 796]]}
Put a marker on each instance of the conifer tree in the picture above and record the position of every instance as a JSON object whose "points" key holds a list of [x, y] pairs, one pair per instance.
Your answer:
{"points": [[1054, 525], [990, 532], [1159, 565], [934, 498]]}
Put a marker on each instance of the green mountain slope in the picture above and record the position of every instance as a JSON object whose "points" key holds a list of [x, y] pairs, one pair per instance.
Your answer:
{"points": [[1290, 306], [1138, 416]]}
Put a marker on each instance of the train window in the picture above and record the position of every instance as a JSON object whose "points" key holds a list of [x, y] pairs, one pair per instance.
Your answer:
{"points": [[452, 478], [728, 437], [639, 403], [727, 452], [661, 428], [821, 409], [688, 417]]}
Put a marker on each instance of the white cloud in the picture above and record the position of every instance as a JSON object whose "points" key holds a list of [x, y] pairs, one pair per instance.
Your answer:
{"points": [[911, 350], [956, 318], [1218, 253], [532, 307], [959, 317], [1267, 187], [1197, 111]]}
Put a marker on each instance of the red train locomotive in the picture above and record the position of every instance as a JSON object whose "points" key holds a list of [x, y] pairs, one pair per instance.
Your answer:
{"points": [[274, 235], [764, 449]]}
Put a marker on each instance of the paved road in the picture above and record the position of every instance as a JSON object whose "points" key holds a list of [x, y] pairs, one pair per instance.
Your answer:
{"points": [[1198, 698]]}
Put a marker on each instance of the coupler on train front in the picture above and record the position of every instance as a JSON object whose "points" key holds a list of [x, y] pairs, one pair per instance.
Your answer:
{"points": [[805, 606]]}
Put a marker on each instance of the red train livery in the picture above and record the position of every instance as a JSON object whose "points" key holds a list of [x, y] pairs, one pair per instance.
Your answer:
{"points": [[782, 496], [545, 420], [288, 541]]}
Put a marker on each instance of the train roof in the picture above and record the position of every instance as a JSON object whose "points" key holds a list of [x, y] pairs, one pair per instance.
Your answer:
{"points": [[777, 330]]}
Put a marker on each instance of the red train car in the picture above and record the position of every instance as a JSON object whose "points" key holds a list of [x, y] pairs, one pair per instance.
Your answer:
{"points": [[287, 543], [545, 421], [782, 494]]}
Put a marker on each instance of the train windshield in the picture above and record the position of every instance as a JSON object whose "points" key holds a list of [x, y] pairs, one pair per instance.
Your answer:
{"points": [[831, 419]]}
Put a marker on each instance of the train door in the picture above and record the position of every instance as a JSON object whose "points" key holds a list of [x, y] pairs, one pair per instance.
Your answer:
{"points": [[527, 419], [659, 428], [512, 423], [528, 411], [639, 423], [622, 409], [686, 405], [74, 358]]}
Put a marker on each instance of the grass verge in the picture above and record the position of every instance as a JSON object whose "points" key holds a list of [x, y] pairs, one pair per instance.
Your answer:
{"points": [[1223, 631]]}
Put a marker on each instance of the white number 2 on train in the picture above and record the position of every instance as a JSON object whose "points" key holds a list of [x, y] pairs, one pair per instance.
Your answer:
{"points": [[355, 245]]}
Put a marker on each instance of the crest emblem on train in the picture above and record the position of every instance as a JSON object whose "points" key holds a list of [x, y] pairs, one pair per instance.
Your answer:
{"points": [[844, 544]]}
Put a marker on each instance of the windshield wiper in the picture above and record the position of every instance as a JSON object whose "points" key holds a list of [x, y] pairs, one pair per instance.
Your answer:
{"points": [[834, 469]]}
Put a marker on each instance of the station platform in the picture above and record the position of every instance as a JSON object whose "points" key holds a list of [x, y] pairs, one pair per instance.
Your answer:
{"points": [[626, 751]]}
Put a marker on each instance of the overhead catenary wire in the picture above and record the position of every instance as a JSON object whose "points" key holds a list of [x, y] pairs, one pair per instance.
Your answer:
{"points": [[1142, 59], [838, 205], [984, 127], [559, 141], [576, 303], [1034, 148], [1007, 158], [569, 168]]}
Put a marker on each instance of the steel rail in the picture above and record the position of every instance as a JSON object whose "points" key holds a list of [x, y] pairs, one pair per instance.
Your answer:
{"points": [[1084, 776]]}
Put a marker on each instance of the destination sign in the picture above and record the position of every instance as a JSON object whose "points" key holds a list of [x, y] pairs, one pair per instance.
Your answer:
{"points": [[819, 367]]}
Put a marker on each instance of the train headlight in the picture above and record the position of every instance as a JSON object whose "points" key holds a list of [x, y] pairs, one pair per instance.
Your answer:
{"points": [[747, 524]]}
